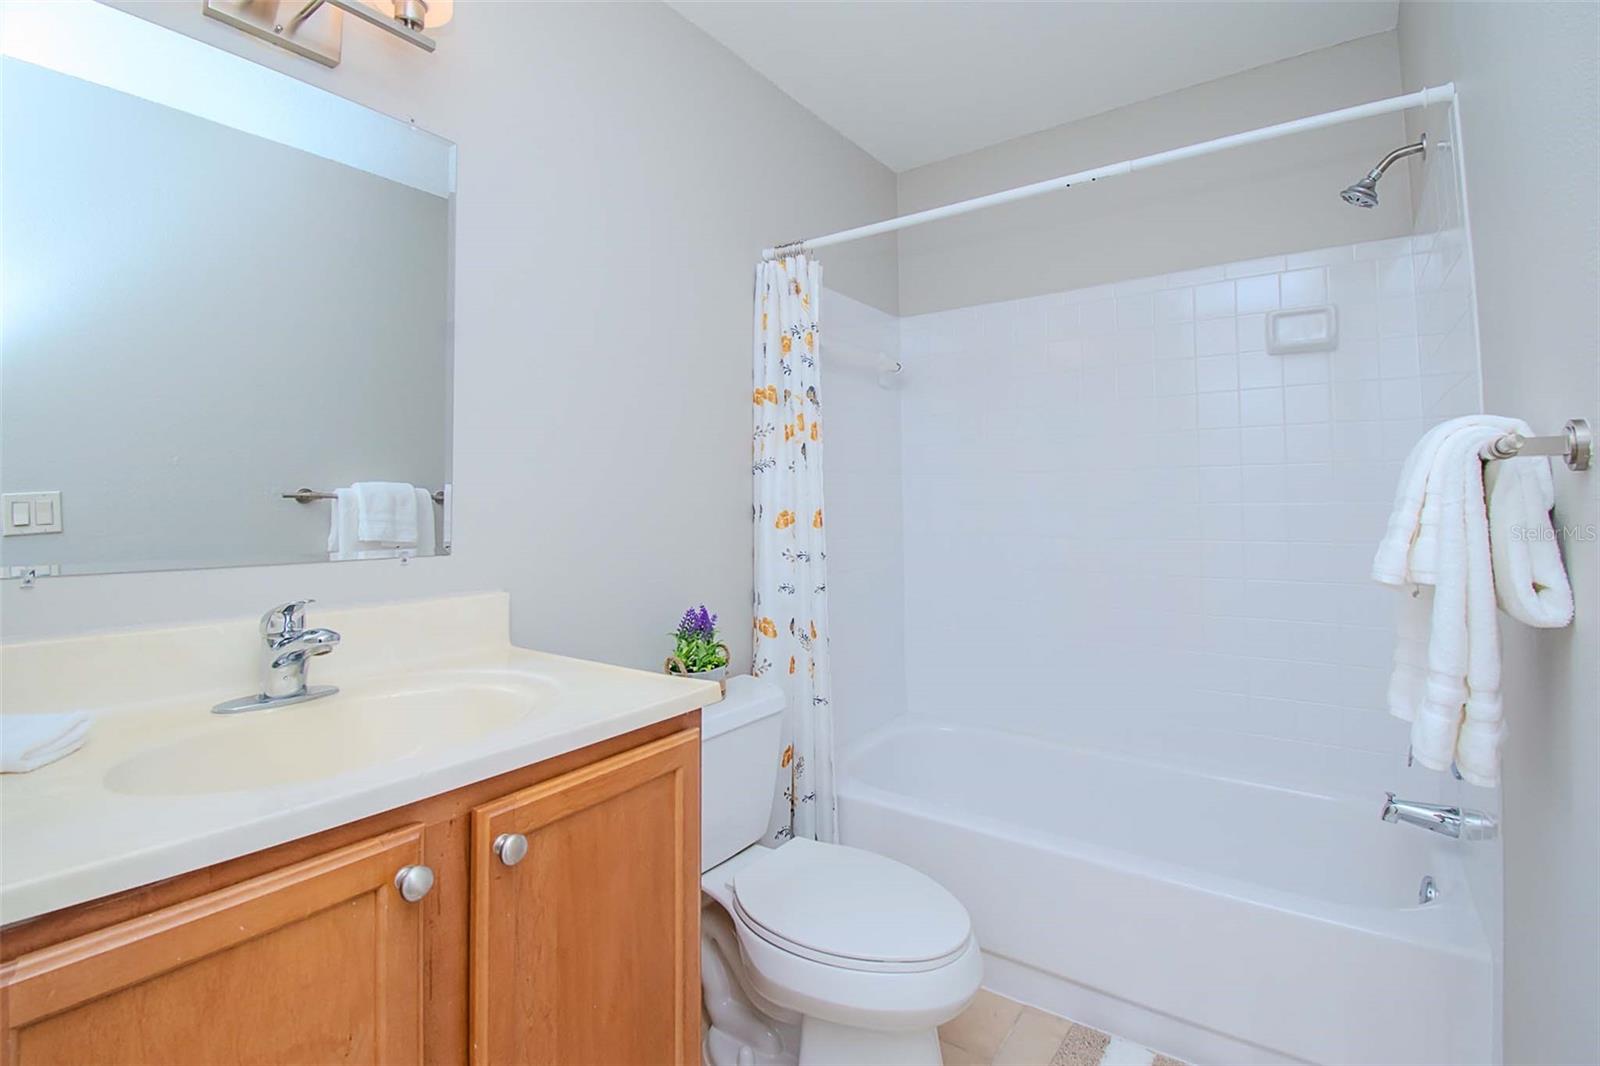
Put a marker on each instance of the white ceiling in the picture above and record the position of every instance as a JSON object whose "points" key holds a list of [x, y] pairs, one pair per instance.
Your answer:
{"points": [[917, 82]]}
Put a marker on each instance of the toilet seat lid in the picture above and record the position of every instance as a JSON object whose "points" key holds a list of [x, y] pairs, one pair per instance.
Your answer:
{"points": [[855, 906]]}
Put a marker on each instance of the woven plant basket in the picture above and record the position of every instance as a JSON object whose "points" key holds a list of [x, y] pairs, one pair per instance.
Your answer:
{"points": [[674, 665]]}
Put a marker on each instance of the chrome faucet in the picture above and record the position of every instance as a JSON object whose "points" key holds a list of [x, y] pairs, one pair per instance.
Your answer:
{"points": [[285, 655], [1436, 818]]}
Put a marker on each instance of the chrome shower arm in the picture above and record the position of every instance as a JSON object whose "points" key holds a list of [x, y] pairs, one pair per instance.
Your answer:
{"points": [[1421, 147]]}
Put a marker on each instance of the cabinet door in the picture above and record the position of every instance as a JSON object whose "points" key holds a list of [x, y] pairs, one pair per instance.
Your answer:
{"points": [[585, 952], [317, 962]]}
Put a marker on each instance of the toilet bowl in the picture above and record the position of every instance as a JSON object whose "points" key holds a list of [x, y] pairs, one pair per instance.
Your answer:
{"points": [[814, 953]]}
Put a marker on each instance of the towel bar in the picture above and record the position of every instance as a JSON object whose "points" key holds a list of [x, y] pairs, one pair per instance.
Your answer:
{"points": [[1576, 445], [308, 495]]}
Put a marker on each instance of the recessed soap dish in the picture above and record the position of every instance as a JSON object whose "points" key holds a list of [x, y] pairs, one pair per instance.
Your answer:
{"points": [[1303, 329]]}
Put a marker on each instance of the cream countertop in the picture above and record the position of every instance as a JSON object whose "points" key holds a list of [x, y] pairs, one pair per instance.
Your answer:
{"points": [[94, 823]]}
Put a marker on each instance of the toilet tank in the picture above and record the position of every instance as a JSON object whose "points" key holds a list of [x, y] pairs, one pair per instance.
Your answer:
{"points": [[739, 740]]}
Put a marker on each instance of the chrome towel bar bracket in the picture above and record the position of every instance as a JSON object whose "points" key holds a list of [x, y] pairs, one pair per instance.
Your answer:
{"points": [[1575, 445]]}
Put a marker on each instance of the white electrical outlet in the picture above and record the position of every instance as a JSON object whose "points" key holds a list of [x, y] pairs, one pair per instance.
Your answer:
{"points": [[27, 513]]}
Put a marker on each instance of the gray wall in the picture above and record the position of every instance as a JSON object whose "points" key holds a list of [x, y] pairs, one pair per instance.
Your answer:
{"points": [[1249, 202], [227, 320], [619, 173], [1527, 78]]}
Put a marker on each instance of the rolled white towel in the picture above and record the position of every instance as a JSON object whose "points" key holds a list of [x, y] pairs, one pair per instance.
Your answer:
{"points": [[29, 741], [1529, 577]]}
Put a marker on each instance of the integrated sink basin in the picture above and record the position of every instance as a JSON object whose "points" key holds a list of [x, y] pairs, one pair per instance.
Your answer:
{"points": [[432, 697], [375, 722]]}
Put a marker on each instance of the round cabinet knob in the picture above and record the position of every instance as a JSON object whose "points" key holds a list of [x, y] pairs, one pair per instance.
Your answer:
{"points": [[414, 882], [511, 847]]}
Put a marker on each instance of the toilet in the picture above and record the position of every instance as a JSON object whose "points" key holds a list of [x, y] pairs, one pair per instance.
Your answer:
{"points": [[813, 953]]}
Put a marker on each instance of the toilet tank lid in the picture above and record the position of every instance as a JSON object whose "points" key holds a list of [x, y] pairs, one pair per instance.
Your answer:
{"points": [[748, 699]]}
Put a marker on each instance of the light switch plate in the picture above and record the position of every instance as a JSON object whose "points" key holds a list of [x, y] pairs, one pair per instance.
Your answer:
{"points": [[30, 513]]}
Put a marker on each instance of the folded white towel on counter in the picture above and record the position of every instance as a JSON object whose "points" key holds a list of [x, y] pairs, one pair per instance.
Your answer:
{"points": [[344, 530], [29, 741], [386, 513], [1444, 533]]}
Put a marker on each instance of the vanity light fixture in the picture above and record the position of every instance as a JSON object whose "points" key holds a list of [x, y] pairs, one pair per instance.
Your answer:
{"points": [[315, 28]]}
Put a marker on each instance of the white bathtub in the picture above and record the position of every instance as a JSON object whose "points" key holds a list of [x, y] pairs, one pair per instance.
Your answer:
{"points": [[1215, 919]]}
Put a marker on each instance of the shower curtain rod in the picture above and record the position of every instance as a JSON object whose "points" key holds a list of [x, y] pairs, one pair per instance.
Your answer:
{"points": [[1421, 98]]}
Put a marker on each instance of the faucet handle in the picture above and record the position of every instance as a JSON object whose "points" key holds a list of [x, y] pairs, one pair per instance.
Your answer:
{"points": [[285, 620]]}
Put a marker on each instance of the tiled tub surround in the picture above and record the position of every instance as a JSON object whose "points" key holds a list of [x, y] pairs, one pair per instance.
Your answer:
{"points": [[866, 599], [1119, 487], [1146, 665]]}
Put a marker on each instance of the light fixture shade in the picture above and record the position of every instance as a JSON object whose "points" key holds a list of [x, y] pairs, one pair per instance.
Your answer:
{"points": [[439, 11]]}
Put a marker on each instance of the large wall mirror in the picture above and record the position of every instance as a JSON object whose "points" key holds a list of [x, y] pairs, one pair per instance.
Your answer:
{"points": [[221, 287]]}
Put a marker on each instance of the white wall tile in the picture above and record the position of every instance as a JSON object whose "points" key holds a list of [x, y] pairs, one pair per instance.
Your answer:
{"points": [[1174, 340], [1306, 403], [1217, 372], [1216, 336], [1261, 407], [1214, 300], [1258, 370], [1135, 311], [1174, 305], [1305, 288], [1217, 409], [1257, 294], [1215, 556]]}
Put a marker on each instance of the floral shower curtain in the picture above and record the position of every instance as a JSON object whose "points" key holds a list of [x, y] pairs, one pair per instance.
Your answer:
{"points": [[791, 568]]}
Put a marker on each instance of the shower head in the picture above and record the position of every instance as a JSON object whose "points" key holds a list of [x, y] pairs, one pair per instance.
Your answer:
{"points": [[1364, 193]]}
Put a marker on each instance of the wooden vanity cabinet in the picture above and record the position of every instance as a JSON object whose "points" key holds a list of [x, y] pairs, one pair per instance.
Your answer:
{"points": [[585, 905], [585, 951], [320, 961]]}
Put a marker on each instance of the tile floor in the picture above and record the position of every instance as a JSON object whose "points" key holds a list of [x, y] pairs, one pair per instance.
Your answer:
{"points": [[996, 1031]]}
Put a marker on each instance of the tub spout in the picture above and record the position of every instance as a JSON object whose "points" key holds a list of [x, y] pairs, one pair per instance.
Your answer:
{"points": [[1437, 818]]}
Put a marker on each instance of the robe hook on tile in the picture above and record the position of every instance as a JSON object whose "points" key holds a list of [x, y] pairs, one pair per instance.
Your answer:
{"points": [[1575, 445]]}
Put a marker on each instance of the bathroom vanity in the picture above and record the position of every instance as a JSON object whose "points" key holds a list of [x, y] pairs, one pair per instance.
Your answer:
{"points": [[454, 884]]}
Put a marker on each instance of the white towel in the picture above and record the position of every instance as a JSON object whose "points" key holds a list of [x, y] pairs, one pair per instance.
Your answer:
{"points": [[1443, 533], [1460, 638], [1409, 550], [344, 538], [1529, 577], [427, 538], [29, 741], [386, 513]]}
